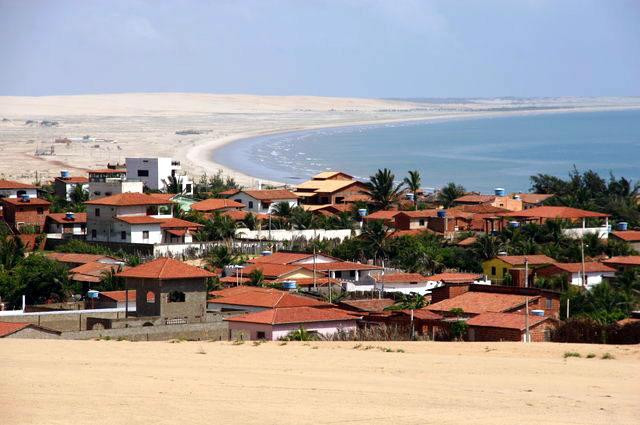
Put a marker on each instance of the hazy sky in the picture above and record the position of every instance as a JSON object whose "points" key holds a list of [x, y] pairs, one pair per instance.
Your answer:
{"points": [[393, 48]]}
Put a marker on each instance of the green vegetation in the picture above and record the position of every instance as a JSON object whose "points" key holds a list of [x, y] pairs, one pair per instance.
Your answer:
{"points": [[210, 187], [571, 354], [607, 356], [413, 182], [382, 189]]}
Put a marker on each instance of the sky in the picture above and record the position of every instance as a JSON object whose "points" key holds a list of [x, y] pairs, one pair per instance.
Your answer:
{"points": [[359, 48]]}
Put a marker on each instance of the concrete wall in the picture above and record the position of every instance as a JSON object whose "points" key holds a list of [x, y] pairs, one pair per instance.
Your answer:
{"points": [[61, 322], [287, 235], [114, 187], [195, 331], [31, 333], [192, 309], [275, 332]]}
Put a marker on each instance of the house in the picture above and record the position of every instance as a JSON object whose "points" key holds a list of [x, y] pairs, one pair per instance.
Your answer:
{"points": [[277, 323], [89, 274], [492, 326], [175, 230], [117, 299], [367, 305], [26, 330], [272, 272], [499, 199], [387, 216], [330, 187], [64, 185], [108, 181], [66, 224], [252, 298], [213, 205], [623, 262], [632, 237], [13, 189], [474, 299], [542, 214], [405, 283], [439, 221], [72, 260], [155, 172], [127, 218], [169, 289], [497, 268], [25, 214], [263, 201], [594, 272]]}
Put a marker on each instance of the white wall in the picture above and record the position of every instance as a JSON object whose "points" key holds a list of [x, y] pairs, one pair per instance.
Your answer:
{"points": [[254, 205], [287, 235], [158, 169], [593, 279], [113, 187]]}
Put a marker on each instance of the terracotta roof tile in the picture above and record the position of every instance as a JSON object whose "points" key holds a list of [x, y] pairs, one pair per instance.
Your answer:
{"points": [[62, 218], [165, 268], [452, 277], [8, 328], [271, 194], [399, 278], [382, 215], [292, 315], [505, 320], [10, 184], [119, 296], [31, 201], [128, 199], [370, 305], [628, 260], [534, 198], [280, 258], [73, 180], [481, 302], [476, 198], [271, 271], [534, 260], [628, 235], [422, 314], [263, 297], [108, 171], [138, 219], [554, 213], [214, 204], [73, 258], [589, 267], [341, 266], [177, 223]]}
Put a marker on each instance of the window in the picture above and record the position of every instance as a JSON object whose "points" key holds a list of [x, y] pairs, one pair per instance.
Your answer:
{"points": [[151, 297], [123, 235], [261, 335], [352, 273], [422, 222], [145, 234], [250, 204], [97, 212], [143, 173], [549, 303], [493, 271], [175, 297], [94, 233], [188, 189], [20, 193]]}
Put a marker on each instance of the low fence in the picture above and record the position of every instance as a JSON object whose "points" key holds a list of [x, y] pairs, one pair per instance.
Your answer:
{"points": [[290, 235], [218, 331]]}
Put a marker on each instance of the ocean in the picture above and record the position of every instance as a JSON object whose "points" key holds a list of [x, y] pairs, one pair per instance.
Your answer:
{"points": [[479, 153]]}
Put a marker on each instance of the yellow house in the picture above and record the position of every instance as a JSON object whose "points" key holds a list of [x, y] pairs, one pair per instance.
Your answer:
{"points": [[498, 267]]}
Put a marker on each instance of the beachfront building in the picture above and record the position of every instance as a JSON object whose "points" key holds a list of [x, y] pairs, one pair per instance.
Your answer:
{"points": [[25, 214], [329, 187], [214, 205], [263, 201], [254, 298], [66, 224], [497, 268], [64, 185], [405, 283], [155, 172], [13, 189], [111, 181], [587, 275], [492, 326], [277, 323]]}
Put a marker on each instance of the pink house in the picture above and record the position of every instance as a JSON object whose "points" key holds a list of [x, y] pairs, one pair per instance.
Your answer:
{"points": [[277, 323]]}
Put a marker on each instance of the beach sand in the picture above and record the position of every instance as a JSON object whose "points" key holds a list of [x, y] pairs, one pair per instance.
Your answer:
{"points": [[139, 124], [119, 382]]}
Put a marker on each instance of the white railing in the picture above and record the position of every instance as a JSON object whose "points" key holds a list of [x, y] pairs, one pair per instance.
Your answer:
{"points": [[288, 235], [579, 232]]}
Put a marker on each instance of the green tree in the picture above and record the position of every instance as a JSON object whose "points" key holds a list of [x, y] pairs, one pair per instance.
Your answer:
{"points": [[109, 281], [11, 251], [382, 189], [221, 256], [449, 193], [413, 182], [173, 184], [256, 278], [301, 334], [374, 237], [78, 195]]}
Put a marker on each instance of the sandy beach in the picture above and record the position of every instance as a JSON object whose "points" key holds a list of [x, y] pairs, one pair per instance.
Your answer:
{"points": [[188, 127], [118, 382]]}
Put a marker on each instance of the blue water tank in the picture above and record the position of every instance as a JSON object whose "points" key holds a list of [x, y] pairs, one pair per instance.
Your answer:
{"points": [[289, 284], [537, 312], [92, 293], [25, 198], [623, 226], [499, 191], [362, 212], [65, 174], [442, 213], [265, 253], [514, 224], [69, 216], [409, 196]]}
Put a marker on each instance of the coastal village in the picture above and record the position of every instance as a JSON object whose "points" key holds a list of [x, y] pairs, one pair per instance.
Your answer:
{"points": [[144, 251]]}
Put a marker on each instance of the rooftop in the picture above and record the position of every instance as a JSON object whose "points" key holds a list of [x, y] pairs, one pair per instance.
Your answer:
{"points": [[278, 316], [554, 213], [139, 219], [481, 302], [73, 258], [341, 265], [325, 186], [108, 171], [73, 180], [177, 223], [628, 235], [453, 277], [589, 267], [534, 260], [271, 194], [128, 199], [10, 184], [475, 198], [214, 204], [370, 305], [271, 271], [399, 278], [61, 218], [8, 328], [31, 201], [382, 215], [263, 297], [626, 260], [165, 268], [505, 320], [280, 258], [329, 174]]}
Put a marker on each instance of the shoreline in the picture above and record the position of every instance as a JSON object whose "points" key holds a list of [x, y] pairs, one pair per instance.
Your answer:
{"points": [[201, 155]]}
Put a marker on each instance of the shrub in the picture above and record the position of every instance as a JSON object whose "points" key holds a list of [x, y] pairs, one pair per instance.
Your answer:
{"points": [[607, 356], [571, 354]]}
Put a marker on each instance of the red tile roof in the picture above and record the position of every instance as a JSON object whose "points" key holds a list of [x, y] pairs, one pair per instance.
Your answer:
{"points": [[370, 305], [480, 302], [382, 215], [271, 194], [165, 268], [31, 201], [628, 235], [534, 260], [476, 198], [452, 277], [10, 184], [280, 316], [108, 171], [138, 219], [554, 213], [73, 180], [480, 209], [320, 280], [119, 296], [341, 266], [400, 278], [61, 218], [280, 258], [71, 257], [271, 271], [263, 297], [534, 198], [505, 320], [214, 204], [164, 196], [422, 314], [177, 223], [238, 215], [92, 272], [627, 260], [229, 192], [8, 328], [128, 199], [589, 267], [467, 241]]}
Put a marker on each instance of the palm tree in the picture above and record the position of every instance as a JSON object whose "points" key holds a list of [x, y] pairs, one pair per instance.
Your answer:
{"points": [[250, 221], [256, 278], [413, 182], [301, 334], [301, 219], [486, 246], [282, 209], [11, 251], [382, 189], [78, 195], [109, 281], [450, 193], [221, 256], [374, 235], [173, 184]]}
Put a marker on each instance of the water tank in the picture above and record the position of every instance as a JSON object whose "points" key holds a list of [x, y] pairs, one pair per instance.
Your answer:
{"points": [[499, 191], [442, 213], [65, 174], [69, 216], [516, 196], [265, 253], [514, 224], [362, 212], [92, 293], [537, 312], [289, 284], [623, 226], [409, 196], [24, 198]]}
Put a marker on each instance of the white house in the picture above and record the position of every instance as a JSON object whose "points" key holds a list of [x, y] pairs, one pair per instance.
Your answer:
{"points": [[67, 224], [65, 184], [153, 172], [13, 189], [594, 272], [405, 283], [263, 201]]}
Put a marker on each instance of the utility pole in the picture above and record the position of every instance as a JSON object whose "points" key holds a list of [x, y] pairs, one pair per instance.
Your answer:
{"points": [[526, 300], [584, 275], [315, 286]]}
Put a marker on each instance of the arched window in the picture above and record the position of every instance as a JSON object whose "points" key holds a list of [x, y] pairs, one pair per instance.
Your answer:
{"points": [[175, 297], [151, 297], [20, 193]]}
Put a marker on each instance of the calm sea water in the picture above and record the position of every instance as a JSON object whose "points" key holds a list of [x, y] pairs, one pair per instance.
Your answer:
{"points": [[479, 153]]}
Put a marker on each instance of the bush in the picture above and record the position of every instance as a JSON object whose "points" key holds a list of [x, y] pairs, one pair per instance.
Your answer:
{"points": [[571, 354], [584, 330]]}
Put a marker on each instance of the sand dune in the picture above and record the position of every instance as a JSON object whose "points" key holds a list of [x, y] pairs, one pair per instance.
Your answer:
{"points": [[111, 382]]}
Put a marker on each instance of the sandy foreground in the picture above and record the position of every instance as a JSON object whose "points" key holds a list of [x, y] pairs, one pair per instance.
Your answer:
{"points": [[119, 382], [145, 124]]}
